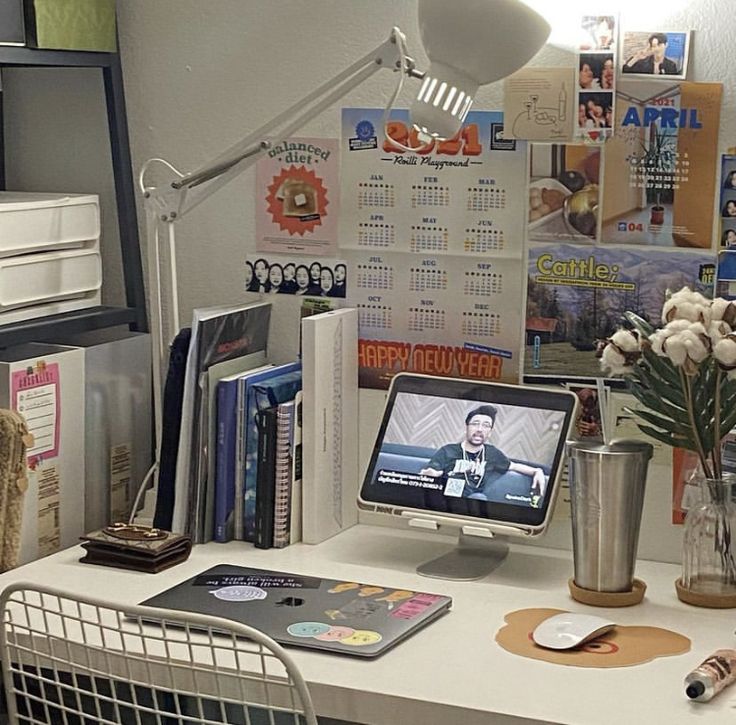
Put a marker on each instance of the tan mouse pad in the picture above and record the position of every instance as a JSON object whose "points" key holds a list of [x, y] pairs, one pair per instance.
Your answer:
{"points": [[621, 647]]}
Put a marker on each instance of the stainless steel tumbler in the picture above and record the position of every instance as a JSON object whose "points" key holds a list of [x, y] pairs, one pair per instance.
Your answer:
{"points": [[607, 485]]}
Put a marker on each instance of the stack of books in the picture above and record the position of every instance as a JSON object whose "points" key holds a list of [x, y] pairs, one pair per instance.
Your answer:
{"points": [[239, 463]]}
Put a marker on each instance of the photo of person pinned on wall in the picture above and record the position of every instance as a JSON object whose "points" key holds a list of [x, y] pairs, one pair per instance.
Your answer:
{"points": [[327, 278], [596, 72], [728, 235], [655, 53], [595, 111], [598, 32]]}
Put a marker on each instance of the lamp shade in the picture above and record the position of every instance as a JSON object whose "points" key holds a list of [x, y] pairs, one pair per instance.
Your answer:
{"points": [[470, 43]]}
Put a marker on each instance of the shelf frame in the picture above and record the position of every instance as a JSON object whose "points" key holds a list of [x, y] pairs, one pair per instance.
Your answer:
{"points": [[134, 315]]}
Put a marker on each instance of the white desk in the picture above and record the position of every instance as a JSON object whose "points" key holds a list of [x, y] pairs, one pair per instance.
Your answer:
{"points": [[453, 672]]}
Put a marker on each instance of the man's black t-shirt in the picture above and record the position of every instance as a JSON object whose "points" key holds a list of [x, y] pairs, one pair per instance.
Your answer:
{"points": [[476, 469]]}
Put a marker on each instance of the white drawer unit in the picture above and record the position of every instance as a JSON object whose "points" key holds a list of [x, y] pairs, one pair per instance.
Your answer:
{"points": [[36, 222], [35, 285]]}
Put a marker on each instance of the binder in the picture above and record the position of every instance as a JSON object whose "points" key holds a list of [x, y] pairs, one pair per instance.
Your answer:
{"points": [[330, 423], [45, 383]]}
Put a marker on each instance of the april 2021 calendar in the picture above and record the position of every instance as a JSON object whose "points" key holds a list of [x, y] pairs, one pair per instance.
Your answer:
{"points": [[434, 245]]}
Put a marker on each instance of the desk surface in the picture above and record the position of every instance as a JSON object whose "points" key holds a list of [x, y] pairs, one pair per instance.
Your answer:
{"points": [[453, 671]]}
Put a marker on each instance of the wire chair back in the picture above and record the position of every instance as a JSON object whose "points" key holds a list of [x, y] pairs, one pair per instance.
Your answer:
{"points": [[71, 660]]}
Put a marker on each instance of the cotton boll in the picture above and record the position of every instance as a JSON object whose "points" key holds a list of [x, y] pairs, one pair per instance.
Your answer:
{"points": [[675, 348], [686, 305], [626, 340], [657, 339], [725, 352], [723, 310], [613, 361], [697, 343], [717, 330]]}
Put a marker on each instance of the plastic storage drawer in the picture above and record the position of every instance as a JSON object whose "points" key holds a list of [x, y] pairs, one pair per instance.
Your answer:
{"points": [[35, 222]]}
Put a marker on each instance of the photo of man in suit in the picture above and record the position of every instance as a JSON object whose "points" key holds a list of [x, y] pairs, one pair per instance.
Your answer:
{"points": [[652, 59]]}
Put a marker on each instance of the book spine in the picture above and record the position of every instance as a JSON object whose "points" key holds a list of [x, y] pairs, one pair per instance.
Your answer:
{"points": [[283, 465], [295, 513], [239, 475], [267, 423], [227, 416]]}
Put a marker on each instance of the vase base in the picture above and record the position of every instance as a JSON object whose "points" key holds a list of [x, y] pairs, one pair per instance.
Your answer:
{"points": [[607, 599], [700, 599]]}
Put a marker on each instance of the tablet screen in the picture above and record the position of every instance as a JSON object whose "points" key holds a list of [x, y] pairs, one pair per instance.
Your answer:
{"points": [[462, 448]]}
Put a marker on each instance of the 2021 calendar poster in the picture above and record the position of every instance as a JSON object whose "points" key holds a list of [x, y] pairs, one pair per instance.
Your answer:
{"points": [[433, 239]]}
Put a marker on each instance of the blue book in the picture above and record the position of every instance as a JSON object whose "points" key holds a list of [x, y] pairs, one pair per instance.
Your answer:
{"points": [[261, 392], [227, 420], [228, 429]]}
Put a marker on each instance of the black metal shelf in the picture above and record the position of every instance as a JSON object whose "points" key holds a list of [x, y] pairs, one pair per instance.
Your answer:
{"points": [[134, 314], [30, 57], [66, 323]]}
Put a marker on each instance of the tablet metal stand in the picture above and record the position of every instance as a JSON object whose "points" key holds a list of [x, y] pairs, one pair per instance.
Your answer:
{"points": [[473, 558]]}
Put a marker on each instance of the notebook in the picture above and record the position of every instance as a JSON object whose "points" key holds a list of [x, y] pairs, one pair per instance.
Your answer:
{"points": [[344, 617]]}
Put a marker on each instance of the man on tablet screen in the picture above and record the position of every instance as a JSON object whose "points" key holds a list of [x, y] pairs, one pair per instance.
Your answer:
{"points": [[472, 467]]}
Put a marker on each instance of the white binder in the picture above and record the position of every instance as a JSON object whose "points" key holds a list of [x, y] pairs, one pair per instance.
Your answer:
{"points": [[329, 423]]}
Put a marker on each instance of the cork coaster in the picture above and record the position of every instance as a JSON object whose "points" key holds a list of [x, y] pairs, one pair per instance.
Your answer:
{"points": [[714, 601], [608, 599]]}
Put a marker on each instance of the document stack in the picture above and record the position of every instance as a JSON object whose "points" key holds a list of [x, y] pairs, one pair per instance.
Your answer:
{"points": [[49, 254]]}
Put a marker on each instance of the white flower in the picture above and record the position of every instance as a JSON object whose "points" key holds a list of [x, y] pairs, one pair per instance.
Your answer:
{"points": [[621, 352], [685, 344], [658, 337], [717, 330], [725, 352], [686, 305], [723, 310]]}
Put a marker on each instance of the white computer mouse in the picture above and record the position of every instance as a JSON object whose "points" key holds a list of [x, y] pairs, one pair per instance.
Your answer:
{"points": [[569, 629]]}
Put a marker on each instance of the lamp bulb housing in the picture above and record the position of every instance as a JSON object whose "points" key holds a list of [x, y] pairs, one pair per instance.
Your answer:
{"points": [[470, 43]]}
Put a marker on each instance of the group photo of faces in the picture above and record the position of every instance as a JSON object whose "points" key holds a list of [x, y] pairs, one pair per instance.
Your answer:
{"points": [[315, 279], [595, 110]]}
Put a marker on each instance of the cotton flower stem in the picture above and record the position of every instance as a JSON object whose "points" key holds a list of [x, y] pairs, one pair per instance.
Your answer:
{"points": [[716, 452], [686, 388]]}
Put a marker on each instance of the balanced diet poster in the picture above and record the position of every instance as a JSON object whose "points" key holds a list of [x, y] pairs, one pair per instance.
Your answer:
{"points": [[298, 197]]}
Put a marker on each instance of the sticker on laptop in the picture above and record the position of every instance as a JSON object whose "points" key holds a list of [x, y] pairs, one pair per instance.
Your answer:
{"points": [[260, 581], [307, 629], [362, 637], [415, 606], [335, 633], [239, 594]]}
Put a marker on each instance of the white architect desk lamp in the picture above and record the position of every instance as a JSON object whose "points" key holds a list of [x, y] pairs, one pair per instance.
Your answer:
{"points": [[469, 43]]}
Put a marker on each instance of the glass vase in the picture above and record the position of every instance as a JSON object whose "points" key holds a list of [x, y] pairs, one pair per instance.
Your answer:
{"points": [[708, 565]]}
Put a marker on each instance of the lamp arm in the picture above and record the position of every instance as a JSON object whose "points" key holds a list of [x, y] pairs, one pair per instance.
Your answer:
{"points": [[168, 202], [189, 190]]}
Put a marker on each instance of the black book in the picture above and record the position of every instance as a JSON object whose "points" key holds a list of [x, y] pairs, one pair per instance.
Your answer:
{"points": [[267, 422]]}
